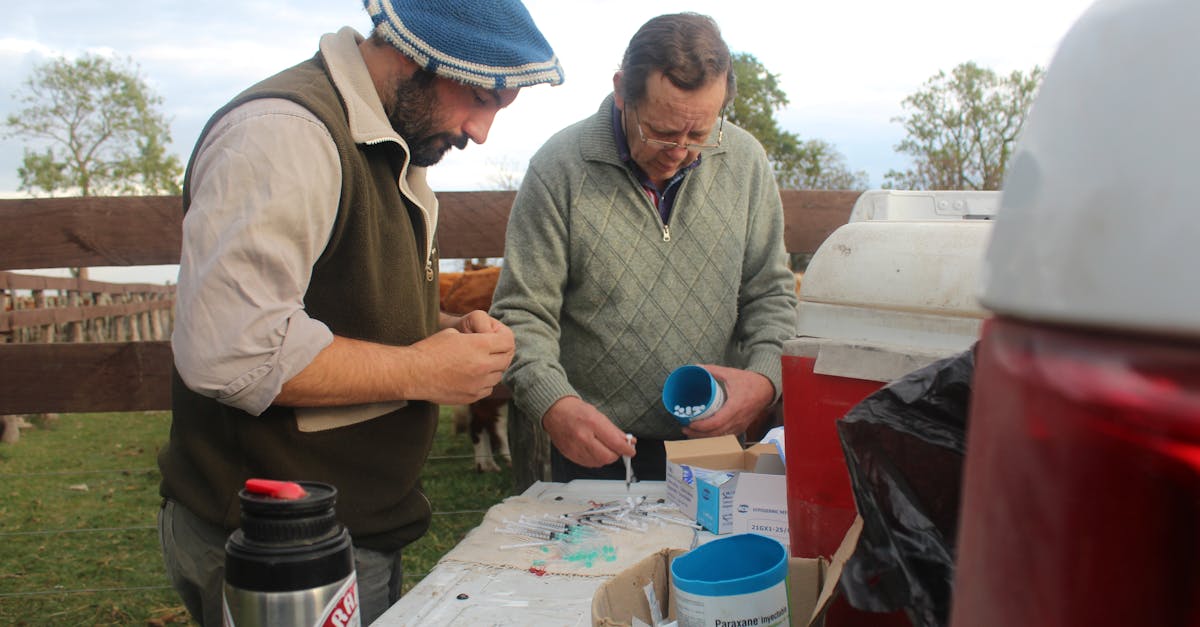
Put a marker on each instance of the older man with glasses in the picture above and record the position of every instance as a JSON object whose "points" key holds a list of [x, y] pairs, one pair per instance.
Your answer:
{"points": [[643, 238]]}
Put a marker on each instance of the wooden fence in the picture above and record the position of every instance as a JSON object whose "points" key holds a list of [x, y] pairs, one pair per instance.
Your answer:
{"points": [[79, 310], [92, 346]]}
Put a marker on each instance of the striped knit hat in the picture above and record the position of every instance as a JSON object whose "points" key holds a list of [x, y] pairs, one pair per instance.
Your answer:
{"points": [[493, 44]]}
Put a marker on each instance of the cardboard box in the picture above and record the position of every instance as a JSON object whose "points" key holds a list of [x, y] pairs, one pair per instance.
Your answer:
{"points": [[812, 583], [727, 489]]}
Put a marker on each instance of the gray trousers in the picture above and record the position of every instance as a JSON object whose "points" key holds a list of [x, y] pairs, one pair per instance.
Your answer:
{"points": [[194, 554]]}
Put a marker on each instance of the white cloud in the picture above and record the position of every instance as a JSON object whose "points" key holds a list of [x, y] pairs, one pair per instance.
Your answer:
{"points": [[14, 46]]}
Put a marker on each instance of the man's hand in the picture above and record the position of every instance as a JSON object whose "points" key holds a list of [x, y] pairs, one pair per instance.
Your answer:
{"points": [[463, 362], [455, 366], [747, 395], [476, 321], [583, 434]]}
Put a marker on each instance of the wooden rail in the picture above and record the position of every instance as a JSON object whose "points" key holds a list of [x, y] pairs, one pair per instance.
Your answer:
{"points": [[137, 231], [84, 310]]}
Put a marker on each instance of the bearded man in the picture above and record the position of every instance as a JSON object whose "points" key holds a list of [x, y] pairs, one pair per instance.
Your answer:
{"points": [[308, 343]]}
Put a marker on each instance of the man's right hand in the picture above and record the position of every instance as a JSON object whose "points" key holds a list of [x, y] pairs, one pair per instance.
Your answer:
{"points": [[456, 368], [584, 435]]}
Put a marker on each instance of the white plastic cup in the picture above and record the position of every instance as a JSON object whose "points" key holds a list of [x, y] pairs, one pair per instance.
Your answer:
{"points": [[691, 393]]}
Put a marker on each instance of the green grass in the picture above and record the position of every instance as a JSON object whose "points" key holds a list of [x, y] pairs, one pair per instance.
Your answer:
{"points": [[75, 556]]}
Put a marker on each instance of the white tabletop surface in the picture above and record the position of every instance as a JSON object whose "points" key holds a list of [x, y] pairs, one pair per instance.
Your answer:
{"points": [[507, 596]]}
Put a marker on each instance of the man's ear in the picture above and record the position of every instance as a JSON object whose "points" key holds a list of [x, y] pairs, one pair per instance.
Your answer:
{"points": [[617, 78]]}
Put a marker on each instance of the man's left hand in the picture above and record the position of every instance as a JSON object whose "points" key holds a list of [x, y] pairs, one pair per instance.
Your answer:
{"points": [[747, 395]]}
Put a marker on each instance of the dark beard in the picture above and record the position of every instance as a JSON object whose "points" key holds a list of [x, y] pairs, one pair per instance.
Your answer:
{"points": [[413, 117]]}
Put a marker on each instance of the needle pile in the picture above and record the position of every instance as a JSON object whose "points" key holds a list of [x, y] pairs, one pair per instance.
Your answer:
{"points": [[583, 536]]}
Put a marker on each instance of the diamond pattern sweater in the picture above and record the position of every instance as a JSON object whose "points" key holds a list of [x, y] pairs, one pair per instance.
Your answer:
{"points": [[605, 300]]}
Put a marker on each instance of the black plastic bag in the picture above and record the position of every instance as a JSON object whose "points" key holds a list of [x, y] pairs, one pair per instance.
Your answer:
{"points": [[904, 447]]}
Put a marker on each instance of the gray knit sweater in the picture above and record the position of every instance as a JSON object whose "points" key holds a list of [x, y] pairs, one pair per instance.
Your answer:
{"points": [[605, 300]]}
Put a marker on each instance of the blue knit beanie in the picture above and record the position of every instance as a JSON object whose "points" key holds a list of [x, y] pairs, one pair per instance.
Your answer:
{"points": [[493, 44]]}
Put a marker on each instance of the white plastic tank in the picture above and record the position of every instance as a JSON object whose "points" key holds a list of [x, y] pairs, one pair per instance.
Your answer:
{"points": [[888, 293], [891, 204], [897, 283], [900, 280]]}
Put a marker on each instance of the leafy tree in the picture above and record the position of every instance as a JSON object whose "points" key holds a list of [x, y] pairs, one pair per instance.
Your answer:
{"points": [[812, 164], [818, 165], [962, 127], [99, 127]]}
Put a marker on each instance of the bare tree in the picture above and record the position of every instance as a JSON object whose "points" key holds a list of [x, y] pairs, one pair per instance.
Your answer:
{"points": [[507, 175]]}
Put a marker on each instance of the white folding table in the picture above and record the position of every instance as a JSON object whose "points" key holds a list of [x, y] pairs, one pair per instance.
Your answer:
{"points": [[458, 593]]}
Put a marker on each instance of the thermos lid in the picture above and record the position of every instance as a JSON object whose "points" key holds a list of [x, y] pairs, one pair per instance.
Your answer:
{"points": [[283, 512], [289, 540], [276, 489]]}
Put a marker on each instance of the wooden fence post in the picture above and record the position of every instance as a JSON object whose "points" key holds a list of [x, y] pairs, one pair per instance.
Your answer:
{"points": [[75, 328], [144, 319], [102, 325], [10, 429], [46, 332], [156, 328]]}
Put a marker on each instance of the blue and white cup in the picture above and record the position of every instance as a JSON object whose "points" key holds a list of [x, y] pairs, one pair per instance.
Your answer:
{"points": [[691, 393], [733, 580]]}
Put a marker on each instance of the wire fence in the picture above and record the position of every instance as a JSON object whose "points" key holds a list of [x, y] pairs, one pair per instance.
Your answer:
{"points": [[59, 591]]}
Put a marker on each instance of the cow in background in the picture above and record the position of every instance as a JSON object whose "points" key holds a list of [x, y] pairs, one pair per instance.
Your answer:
{"points": [[466, 291], [486, 420]]}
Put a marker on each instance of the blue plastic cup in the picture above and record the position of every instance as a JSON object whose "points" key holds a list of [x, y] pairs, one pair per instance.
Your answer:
{"points": [[691, 393], [737, 580]]}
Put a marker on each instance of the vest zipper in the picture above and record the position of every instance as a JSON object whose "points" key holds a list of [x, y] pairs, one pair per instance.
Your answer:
{"points": [[400, 184]]}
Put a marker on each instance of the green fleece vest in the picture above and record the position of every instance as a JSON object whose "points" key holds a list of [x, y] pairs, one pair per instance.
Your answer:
{"points": [[368, 284]]}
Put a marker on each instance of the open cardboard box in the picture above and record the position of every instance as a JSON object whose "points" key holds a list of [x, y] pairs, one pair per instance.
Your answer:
{"points": [[812, 583], [751, 498]]}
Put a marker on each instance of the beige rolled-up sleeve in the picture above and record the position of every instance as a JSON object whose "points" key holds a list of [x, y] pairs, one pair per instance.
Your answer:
{"points": [[265, 188]]}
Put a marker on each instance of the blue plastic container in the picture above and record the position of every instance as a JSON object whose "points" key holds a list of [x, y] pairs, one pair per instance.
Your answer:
{"points": [[732, 579], [691, 393]]}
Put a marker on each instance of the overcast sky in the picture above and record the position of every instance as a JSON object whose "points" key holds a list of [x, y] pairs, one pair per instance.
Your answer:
{"points": [[844, 64]]}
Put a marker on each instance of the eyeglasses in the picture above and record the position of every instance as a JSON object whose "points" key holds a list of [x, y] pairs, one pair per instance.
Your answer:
{"points": [[690, 147]]}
